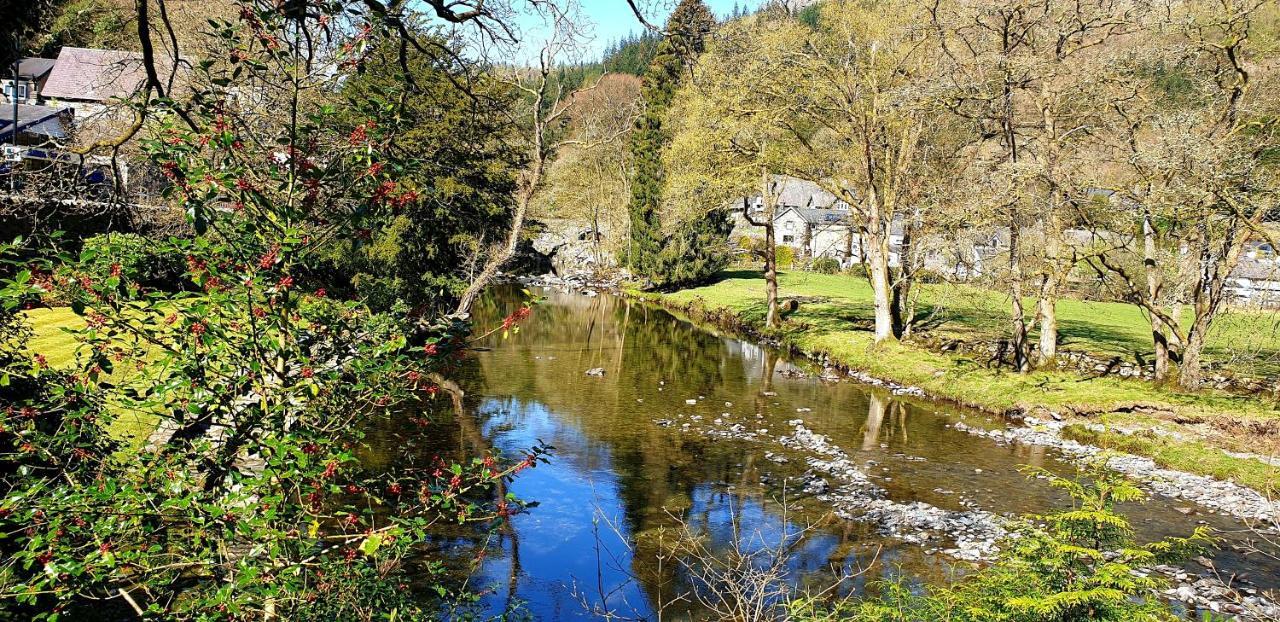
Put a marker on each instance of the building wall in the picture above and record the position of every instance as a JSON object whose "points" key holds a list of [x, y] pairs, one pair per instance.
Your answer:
{"points": [[790, 229], [831, 241], [32, 91]]}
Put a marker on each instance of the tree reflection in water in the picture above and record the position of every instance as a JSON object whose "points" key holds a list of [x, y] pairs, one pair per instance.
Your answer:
{"points": [[619, 484]]}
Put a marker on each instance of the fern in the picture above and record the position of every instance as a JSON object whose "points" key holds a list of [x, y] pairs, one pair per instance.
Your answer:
{"points": [[1077, 564]]}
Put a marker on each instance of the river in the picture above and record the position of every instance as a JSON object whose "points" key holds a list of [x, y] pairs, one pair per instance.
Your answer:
{"points": [[626, 473]]}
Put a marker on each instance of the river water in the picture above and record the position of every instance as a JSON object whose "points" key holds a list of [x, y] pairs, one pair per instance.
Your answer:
{"points": [[611, 502]]}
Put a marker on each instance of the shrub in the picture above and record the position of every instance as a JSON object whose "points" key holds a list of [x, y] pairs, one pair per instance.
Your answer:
{"points": [[785, 256], [132, 258], [857, 270], [1075, 564], [825, 265], [694, 253]]}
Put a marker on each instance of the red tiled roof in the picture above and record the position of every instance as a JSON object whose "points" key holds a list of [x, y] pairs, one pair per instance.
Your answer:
{"points": [[82, 74]]}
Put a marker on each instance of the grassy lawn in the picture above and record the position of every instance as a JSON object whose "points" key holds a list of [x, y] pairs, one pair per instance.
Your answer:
{"points": [[836, 320], [1245, 342], [49, 338], [59, 348]]}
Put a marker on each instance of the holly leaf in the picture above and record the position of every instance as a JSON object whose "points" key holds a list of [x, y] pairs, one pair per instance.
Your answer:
{"points": [[371, 544]]}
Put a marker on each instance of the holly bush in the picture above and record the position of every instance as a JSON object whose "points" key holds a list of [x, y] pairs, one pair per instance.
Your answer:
{"points": [[242, 497]]}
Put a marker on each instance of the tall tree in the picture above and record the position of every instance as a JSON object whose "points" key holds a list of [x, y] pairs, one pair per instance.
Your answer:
{"points": [[1202, 158], [733, 128], [464, 166], [870, 125], [687, 31], [1026, 72]]}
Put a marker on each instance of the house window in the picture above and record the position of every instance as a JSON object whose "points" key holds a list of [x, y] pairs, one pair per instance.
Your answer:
{"points": [[790, 225], [22, 90], [788, 239]]}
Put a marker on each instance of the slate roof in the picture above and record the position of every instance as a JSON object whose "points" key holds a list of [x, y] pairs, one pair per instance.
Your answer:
{"points": [[819, 216], [41, 120], [795, 192], [83, 74], [35, 68]]}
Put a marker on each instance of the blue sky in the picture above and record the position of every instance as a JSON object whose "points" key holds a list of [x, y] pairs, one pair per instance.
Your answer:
{"points": [[610, 20], [613, 19]]}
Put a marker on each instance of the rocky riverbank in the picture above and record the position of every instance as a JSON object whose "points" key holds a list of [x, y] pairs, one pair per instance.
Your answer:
{"points": [[834, 479], [1214, 494]]}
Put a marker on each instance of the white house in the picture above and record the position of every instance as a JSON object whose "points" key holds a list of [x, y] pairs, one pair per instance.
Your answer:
{"points": [[29, 81], [815, 223]]}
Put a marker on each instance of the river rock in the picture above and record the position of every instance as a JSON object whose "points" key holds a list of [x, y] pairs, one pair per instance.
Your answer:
{"points": [[1222, 496]]}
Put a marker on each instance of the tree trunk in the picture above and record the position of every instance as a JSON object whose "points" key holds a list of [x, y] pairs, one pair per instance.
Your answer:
{"points": [[1018, 315], [902, 310], [1155, 283], [1055, 271], [1208, 294], [770, 251], [1019, 320], [877, 255], [1190, 372], [1050, 283], [770, 276], [1048, 311]]}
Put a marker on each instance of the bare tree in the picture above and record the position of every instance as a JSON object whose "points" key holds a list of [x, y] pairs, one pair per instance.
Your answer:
{"points": [[1027, 73], [1199, 160]]}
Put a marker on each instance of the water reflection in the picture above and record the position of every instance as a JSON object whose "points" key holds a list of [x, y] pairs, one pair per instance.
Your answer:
{"points": [[619, 485]]}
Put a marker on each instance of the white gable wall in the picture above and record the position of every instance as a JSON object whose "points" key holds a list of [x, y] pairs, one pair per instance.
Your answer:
{"points": [[789, 227]]}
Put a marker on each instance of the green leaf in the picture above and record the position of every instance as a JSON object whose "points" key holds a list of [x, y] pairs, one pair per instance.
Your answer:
{"points": [[371, 544]]}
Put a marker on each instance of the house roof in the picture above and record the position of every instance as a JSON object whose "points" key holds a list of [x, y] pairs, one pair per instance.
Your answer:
{"points": [[818, 216], [41, 120], [825, 217], [35, 68], [83, 74], [796, 192], [1257, 269]]}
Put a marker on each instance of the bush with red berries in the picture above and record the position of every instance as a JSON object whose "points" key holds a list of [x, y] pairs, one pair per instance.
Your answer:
{"points": [[239, 495]]}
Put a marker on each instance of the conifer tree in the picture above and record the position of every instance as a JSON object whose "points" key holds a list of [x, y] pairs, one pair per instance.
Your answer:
{"points": [[687, 30]]}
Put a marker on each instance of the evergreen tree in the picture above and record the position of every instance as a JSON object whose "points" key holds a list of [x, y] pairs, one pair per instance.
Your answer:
{"points": [[698, 250], [687, 29], [464, 177], [632, 54]]}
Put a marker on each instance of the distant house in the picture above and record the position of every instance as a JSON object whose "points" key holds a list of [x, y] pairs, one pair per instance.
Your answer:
{"points": [[35, 125], [28, 86], [40, 133], [1256, 279], [816, 223], [88, 80]]}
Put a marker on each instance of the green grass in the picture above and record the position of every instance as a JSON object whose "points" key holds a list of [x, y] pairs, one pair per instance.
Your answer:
{"points": [[50, 337], [836, 321], [1244, 342], [1183, 455]]}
